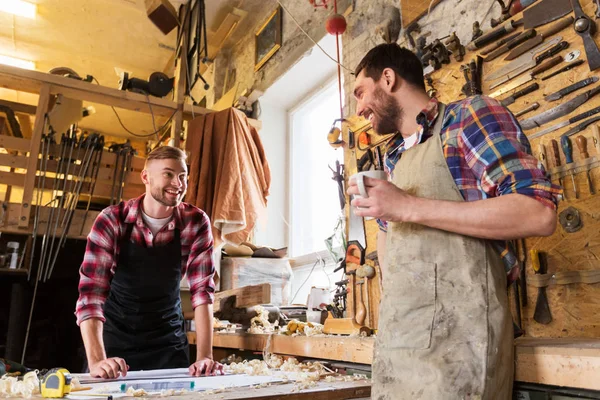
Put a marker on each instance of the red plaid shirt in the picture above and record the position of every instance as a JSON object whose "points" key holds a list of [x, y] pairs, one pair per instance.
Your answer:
{"points": [[102, 253]]}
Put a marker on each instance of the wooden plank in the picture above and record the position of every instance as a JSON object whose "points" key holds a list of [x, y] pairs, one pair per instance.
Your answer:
{"points": [[570, 362], [13, 143], [9, 160], [340, 348], [34, 151], [75, 231], [19, 107], [246, 296]]}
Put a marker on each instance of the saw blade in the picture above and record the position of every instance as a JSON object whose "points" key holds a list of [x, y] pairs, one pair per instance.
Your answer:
{"points": [[512, 85], [522, 59]]}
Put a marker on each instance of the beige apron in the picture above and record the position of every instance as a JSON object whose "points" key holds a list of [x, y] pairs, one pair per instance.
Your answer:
{"points": [[445, 330]]}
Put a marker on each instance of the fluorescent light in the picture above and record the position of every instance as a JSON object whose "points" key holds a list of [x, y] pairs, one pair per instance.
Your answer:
{"points": [[16, 62], [18, 7]]}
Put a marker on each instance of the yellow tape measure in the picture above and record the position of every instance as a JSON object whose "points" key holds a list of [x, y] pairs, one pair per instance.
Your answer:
{"points": [[56, 383]]}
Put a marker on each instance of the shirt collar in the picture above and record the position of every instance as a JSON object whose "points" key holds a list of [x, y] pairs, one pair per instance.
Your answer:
{"points": [[134, 215], [426, 118]]}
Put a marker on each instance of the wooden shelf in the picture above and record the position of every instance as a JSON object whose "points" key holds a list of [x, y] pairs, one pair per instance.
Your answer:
{"points": [[570, 362], [567, 362], [339, 348], [13, 272], [32, 81]]}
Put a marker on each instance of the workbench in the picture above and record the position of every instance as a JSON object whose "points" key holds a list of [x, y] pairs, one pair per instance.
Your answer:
{"points": [[568, 362]]}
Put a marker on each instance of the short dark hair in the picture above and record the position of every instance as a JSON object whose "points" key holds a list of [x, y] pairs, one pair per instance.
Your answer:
{"points": [[390, 55], [166, 153]]}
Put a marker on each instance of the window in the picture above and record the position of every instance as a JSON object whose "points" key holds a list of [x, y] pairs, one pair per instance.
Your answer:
{"points": [[315, 207]]}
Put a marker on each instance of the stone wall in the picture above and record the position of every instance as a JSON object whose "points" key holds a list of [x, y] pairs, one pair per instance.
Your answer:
{"points": [[362, 34]]}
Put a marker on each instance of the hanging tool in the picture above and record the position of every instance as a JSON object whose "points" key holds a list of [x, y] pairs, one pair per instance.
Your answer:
{"points": [[539, 38], [89, 143], [545, 11], [499, 43], [99, 149], [512, 98], [520, 81], [41, 182], [531, 107], [542, 309], [543, 157], [338, 176], [559, 111], [494, 34], [570, 121], [582, 146], [586, 28], [527, 59], [366, 272], [56, 383], [556, 154], [523, 37], [567, 67], [535, 64], [571, 88], [567, 148]]}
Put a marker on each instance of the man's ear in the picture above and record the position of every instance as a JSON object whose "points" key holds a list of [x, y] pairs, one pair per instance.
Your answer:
{"points": [[389, 79], [144, 176]]}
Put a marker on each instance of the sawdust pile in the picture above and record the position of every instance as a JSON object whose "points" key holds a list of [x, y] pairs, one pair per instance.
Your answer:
{"points": [[12, 387]]}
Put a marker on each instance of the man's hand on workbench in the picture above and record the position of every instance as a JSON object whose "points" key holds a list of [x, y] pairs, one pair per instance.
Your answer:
{"points": [[207, 366], [109, 368], [386, 201]]}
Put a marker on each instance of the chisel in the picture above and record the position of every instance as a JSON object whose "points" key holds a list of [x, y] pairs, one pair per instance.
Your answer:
{"points": [[567, 148], [556, 154], [570, 121], [524, 36], [568, 67], [536, 40], [525, 91], [582, 146], [571, 88], [530, 108], [542, 309]]}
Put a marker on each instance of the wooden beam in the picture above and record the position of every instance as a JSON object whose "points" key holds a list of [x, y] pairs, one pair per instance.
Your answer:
{"points": [[340, 348], [32, 81], [13, 143], [19, 107], [34, 151], [570, 362], [9, 160], [181, 82]]}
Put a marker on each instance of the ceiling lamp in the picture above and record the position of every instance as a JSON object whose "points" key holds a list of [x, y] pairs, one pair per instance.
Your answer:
{"points": [[18, 7]]}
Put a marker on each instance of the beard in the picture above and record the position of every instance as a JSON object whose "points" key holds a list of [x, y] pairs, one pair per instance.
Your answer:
{"points": [[389, 115], [159, 194]]}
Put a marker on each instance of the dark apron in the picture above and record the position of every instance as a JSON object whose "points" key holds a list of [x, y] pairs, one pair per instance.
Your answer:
{"points": [[144, 323]]}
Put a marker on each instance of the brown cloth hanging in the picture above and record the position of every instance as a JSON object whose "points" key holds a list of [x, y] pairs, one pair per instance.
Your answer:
{"points": [[229, 176]]}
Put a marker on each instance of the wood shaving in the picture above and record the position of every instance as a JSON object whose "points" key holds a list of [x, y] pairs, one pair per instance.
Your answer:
{"points": [[136, 392], [300, 328], [253, 367], [12, 387], [260, 323]]}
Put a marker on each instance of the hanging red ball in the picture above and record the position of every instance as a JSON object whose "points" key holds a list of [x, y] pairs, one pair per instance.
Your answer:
{"points": [[335, 24]]}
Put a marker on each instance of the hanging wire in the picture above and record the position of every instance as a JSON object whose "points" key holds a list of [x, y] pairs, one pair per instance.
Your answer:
{"points": [[311, 39], [156, 131]]}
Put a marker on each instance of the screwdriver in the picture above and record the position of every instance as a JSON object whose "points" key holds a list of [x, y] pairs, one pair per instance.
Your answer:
{"points": [[582, 146], [556, 154], [567, 148]]}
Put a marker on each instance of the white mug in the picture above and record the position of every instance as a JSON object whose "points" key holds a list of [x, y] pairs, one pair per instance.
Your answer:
{"points": [[360, 182]]}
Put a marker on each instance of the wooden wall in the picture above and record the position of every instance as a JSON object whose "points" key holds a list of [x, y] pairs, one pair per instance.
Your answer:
{"points": [[575, 307]]}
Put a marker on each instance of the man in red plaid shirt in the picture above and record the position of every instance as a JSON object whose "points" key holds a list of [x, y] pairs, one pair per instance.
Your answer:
{"points": [[129, 309]]}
